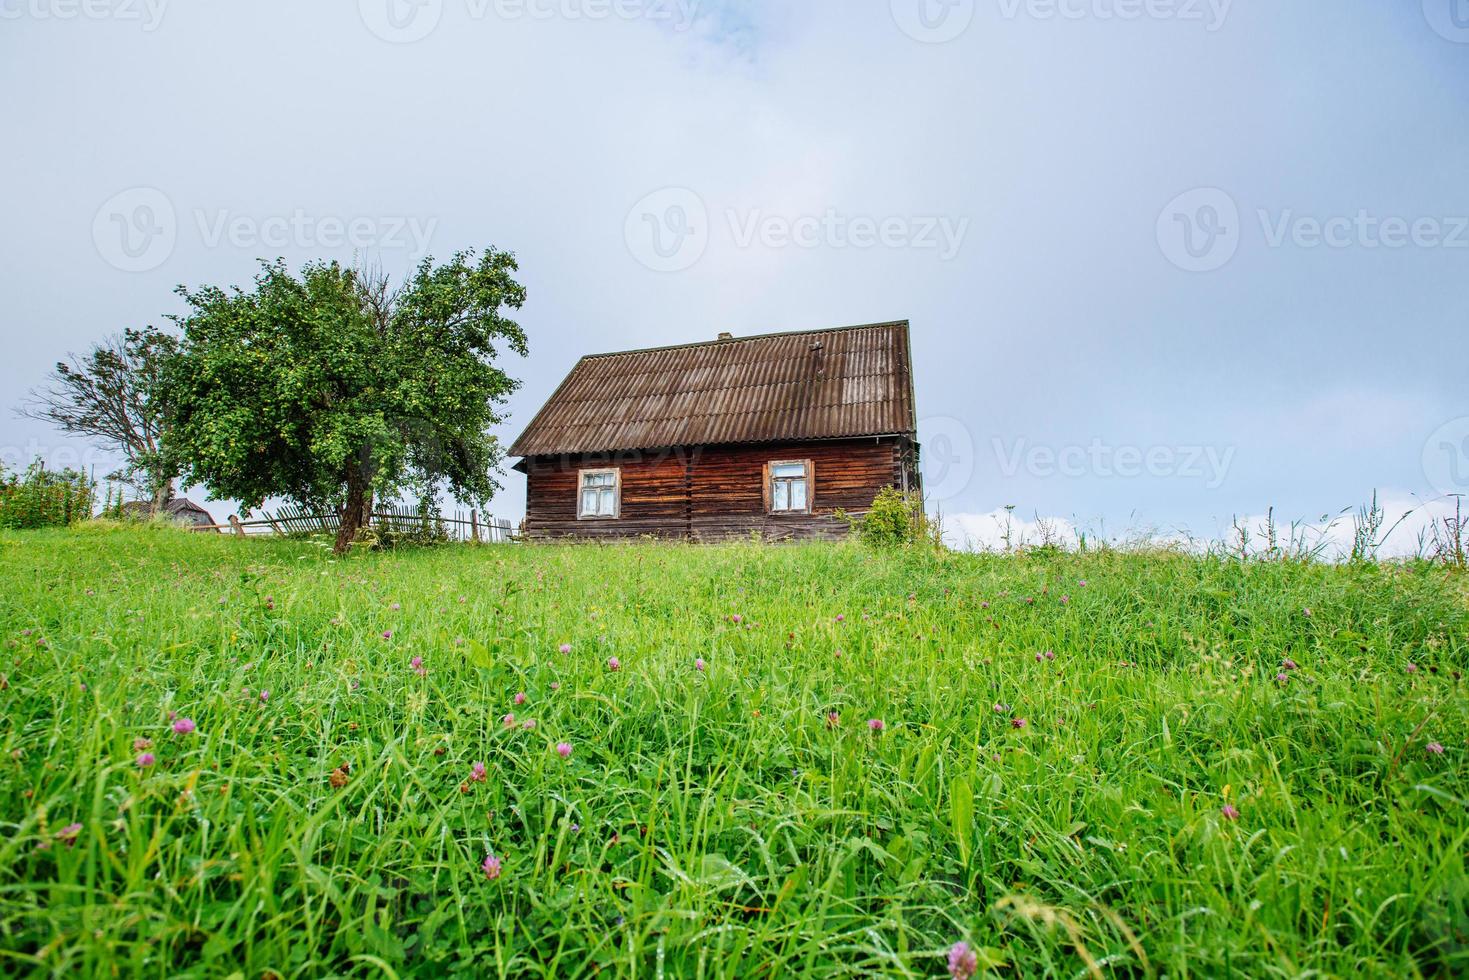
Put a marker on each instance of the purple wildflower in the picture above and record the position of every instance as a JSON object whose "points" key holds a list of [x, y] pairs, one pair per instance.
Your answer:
{"points": [[1228, 812], [563, 749], [145, 759], [613, 663], [1434, 748], [963, 961], [565, 648], [699, 663], [491, 867], [477, 772], [184, 726], [876, 725], [519, 697]]}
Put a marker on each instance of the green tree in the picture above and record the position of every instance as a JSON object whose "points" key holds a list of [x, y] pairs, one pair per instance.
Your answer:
{"points": [[112, 394], [331, 387]]}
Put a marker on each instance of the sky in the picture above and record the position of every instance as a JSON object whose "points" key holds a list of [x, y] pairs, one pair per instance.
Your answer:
{"points": [[1169, 264]]}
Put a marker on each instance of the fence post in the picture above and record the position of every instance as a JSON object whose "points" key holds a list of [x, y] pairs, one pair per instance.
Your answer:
{"points": [[474, 525], [236, 526]]}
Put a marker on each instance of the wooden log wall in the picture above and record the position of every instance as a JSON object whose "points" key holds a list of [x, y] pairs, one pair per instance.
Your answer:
{"points": [[712, 493]]}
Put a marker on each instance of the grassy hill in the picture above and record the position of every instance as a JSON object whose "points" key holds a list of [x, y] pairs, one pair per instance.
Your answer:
{"points": [[728, 761]]}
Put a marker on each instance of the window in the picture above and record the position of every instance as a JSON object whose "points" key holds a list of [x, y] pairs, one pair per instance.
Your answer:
{"points": [[789, 490], [600, 494]]}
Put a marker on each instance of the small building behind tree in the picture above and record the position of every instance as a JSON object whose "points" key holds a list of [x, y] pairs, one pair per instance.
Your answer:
{"points": [[178, 510], [768, 434]]}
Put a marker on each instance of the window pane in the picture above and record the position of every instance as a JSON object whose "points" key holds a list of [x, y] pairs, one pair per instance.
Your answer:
{"points": [[588, 502], [782, 500], [798, 495], [788, 469], [597, 479], [608, 505]]}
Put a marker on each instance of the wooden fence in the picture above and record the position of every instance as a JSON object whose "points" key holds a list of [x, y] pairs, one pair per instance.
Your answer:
{"points": [[401, 520]]}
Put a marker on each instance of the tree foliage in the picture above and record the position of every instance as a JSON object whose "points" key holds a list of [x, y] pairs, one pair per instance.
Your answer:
{"points": [[330, 387], [113, 394]]}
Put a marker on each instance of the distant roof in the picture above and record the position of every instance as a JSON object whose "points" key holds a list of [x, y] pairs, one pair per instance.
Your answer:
{"points": [[178, 507], [811, 384]]}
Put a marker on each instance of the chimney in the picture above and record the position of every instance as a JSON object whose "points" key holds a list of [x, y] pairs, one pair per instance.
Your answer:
{"points": [[726, 336]]}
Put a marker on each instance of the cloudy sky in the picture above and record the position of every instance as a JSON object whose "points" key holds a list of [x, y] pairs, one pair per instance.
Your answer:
{"points": [[1167, 262]]}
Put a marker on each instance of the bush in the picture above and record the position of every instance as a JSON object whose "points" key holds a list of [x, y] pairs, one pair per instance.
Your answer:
{"points": [[44, 498], [895, 519]]}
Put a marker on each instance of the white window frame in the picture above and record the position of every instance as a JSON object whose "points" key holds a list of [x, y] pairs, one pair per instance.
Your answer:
{"points": [[808, 477], [581, 476]]}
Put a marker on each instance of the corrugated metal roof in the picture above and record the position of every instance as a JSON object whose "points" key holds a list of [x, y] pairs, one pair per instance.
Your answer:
{"points": [[783, 386]]}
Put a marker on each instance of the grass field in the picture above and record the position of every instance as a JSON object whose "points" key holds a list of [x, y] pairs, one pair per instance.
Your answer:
{"points": [[1097, 763]]}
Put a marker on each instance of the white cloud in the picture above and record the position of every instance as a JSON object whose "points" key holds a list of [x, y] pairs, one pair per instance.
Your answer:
{"points": [[1406, 529], [1000, 529]]}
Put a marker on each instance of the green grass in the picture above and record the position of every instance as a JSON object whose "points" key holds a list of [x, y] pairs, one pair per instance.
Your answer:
{"points": [[724, 828]]}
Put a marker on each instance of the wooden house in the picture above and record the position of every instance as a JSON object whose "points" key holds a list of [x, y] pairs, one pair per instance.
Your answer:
{"points": [[767, 434]]}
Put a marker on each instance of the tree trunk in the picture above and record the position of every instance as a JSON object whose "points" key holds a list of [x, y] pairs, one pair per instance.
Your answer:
{"points": [[162, 494], [354, 513]]}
